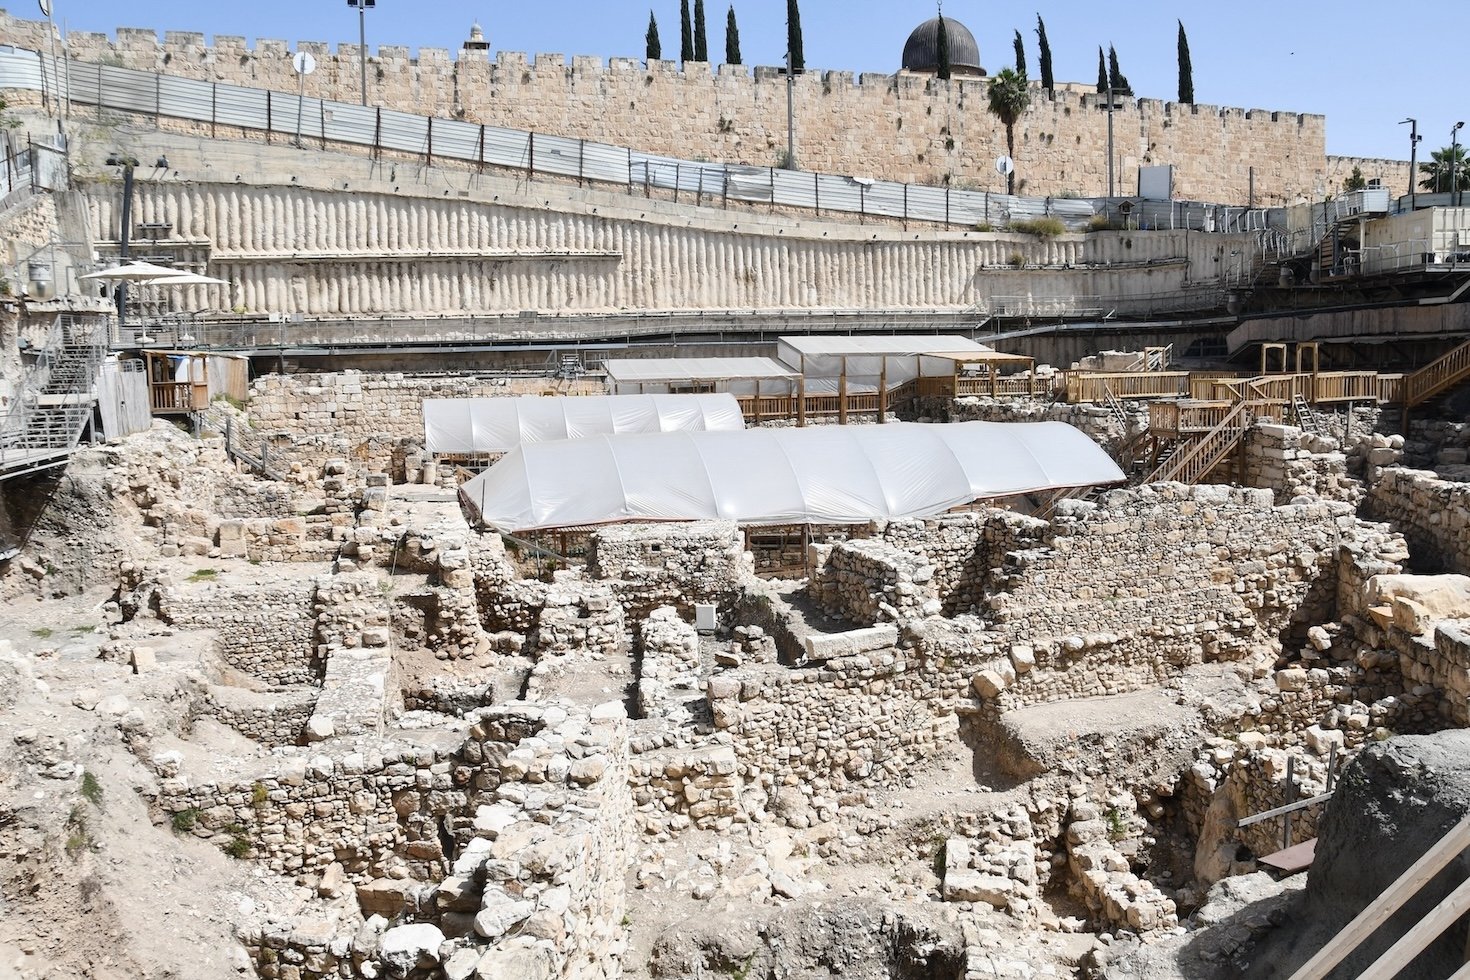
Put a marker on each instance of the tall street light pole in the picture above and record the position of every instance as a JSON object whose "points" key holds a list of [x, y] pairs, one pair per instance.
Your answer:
{"points": [[362, 6], [1110, 135], [1455, 161], [1414, 139]]}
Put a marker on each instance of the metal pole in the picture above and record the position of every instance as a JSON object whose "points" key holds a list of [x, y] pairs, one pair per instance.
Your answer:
{"points": [[126, 224], [1110, 136], [300, 98], [790, 113], [362, 45], [1414, 138], [1454, 161]]}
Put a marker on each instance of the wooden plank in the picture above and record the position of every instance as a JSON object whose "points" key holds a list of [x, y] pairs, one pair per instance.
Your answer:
{"points": [[1443, 915], [1449, 847], [1297, 857], [1281, 810]]}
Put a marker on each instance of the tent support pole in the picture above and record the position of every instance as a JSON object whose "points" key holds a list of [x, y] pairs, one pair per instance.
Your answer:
{"points": [[801, 401]]}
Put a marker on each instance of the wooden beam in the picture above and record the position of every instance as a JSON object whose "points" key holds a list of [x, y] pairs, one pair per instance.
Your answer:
{"points": [[1281, 810], [1428, 929], [1449, 847]]}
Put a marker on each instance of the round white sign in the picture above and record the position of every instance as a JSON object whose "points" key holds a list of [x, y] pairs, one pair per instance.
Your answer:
{"points": [[304, 63], [1004, 165]]}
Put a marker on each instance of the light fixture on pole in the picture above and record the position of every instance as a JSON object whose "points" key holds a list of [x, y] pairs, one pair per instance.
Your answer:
{"points": [[1414, 139], [1110, 135], [362, 7], [1455, 160]]}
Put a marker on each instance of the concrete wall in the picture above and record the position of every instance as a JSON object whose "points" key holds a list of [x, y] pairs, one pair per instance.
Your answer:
{"points": [[904, 127]]}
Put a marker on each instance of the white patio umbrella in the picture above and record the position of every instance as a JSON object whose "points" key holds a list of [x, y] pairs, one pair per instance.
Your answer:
{"points": [[180, 278], [134, 272]]}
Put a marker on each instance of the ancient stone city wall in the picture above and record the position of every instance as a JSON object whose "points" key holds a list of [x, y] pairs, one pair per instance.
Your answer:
{"points": [[325, 251], [900, 127], [1433, 514]]}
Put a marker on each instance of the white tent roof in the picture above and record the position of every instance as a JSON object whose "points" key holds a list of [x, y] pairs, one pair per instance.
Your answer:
{"points": [[822, 475], [498, 425], [661, 369], [899, 345]]}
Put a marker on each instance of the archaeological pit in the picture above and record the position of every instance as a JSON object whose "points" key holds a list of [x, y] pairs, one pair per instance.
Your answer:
{"points": [[480, 570], [329, 724]]}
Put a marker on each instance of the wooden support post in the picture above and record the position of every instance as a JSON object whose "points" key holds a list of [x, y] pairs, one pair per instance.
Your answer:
{"points": [[801, 401], [757, 412], [882, 390], [1290, 798], [842, 393]]}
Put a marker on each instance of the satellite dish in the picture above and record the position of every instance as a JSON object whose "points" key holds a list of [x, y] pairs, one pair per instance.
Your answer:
{"points": [[1004, 165], [304, 63]]}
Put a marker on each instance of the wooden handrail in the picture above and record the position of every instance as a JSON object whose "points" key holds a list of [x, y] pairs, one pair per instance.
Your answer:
{"points": [[1194, 462], [1436, 376], [1449, 847]]}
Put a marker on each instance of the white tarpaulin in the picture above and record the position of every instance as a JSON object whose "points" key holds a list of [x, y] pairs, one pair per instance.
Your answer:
{"points": [[893, 359], [737, 375], [498, 425], [819, 475]]}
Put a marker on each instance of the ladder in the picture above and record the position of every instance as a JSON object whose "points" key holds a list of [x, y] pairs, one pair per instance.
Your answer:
{"points": [[1306, 417]]}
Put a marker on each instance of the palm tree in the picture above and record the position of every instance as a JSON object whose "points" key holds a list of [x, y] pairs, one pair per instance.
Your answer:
{"points": [[1437, 173], [1009, 98]]}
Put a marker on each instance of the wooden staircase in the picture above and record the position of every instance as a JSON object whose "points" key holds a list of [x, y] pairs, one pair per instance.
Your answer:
{"points": [[1307, 418], [1195, 459], [1435, 378]]}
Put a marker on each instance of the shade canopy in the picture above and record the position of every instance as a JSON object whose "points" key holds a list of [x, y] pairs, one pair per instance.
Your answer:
{"points": [[498, 425], [738, 375], [134, 272], [870, 362], [187, 279], [818, 475]]}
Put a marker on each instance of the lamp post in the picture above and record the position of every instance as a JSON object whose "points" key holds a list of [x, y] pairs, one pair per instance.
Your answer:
{"points": [[362, 6], [1454, 160], [1110, 135], [1414, 139]]}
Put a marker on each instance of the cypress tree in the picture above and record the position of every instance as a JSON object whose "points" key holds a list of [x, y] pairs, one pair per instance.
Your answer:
{"points": [[732, 39], [1186, 69], [942, 43], [686, 33], [1102, 71], [1047, 81], [701, 39], [793, 37], [654, 49], [1118, 79], [1020, 55]]}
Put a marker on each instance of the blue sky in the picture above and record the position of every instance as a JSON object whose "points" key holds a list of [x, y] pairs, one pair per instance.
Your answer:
{"points": [[1347, 59]]}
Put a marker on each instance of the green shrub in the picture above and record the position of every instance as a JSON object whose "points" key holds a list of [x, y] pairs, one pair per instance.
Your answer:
{"points": [[204, 574], [1040, 227], [91, 790], [184, 820], [238, 846], [1017, 260]]}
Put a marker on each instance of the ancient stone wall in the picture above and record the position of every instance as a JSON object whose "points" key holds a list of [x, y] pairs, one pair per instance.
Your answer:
{"points": [[650, 565], [356, 406], [914, 127], [266, 631], [1292, 463], [870, 581], [1433, 514]]}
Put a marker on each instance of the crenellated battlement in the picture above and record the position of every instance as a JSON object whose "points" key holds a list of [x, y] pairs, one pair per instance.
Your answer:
{"points": [[904, 127]]}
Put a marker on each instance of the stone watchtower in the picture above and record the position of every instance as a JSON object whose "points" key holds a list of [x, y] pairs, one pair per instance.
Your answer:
{"points": [[921, 52]]}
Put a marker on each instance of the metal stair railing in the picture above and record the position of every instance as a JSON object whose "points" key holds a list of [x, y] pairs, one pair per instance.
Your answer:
{"points": [[241, 442], [56, 400], [1194, 461]]}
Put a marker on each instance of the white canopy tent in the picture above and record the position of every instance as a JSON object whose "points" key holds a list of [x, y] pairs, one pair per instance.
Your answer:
{"points": [[498, 425], [821, 475], [861, 365], [736, 375]]}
